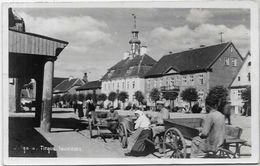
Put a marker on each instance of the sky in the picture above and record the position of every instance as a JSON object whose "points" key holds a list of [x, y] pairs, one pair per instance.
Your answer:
{"points": [[98, 37]]}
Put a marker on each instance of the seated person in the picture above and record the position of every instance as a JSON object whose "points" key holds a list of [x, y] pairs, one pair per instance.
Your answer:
{"points": [[112, 120], [136, 142], [213, 132], [157, 123]]}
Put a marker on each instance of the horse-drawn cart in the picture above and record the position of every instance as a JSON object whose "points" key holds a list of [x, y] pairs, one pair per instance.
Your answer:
{"points": [[178, 132]]}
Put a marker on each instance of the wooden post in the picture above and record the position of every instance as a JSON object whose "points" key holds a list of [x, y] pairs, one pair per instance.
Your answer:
{"points": [[39, 88], [47, 96]]}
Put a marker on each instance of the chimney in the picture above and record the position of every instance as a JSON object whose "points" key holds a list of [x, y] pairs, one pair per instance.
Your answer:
{"points": [[170, 52], [190, 48], [70, 78], [85, 77], [143, 50], [202, 45]]}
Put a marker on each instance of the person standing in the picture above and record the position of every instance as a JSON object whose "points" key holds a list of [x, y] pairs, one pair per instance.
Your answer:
{"points": [[213, 131], [227, 112], [80, 109]]}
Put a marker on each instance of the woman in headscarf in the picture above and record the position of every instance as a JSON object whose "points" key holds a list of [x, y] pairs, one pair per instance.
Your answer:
{"points": [[137, 145]]}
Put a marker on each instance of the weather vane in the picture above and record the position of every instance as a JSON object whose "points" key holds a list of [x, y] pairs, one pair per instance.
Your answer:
{"points": [[134, 20]]}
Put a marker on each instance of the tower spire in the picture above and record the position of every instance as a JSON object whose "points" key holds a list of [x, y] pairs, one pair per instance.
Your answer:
{"points": [[135, 42], [134, 20]]}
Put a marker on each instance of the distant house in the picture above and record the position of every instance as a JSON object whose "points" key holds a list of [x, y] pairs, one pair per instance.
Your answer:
{"points": [[240, 82], [90, 87], [57, 80], [68, 86], [201, 68]]}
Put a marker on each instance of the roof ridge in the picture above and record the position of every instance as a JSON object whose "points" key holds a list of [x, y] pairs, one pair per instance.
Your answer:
{"points": [[196, 48]]}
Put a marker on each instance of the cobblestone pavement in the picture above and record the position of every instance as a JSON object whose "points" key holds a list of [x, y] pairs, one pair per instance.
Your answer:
{"points": [[70, 141]]}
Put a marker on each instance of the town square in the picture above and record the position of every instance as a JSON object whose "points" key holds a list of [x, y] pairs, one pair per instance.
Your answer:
{"points": [[132, 83]]}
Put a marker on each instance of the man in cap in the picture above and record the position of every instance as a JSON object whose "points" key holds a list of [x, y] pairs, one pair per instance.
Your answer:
{"points": [[112, 120]]}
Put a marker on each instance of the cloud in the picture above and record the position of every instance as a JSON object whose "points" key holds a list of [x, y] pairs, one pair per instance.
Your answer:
{"points": [[182, 38], [86, 36], [198, 16]]}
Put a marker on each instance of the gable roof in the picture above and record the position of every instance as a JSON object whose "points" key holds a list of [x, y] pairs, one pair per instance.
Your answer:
{"points": [[90, 85], [199, 59], [57, 80], [245, 60], [128, 67], [67, 84]]}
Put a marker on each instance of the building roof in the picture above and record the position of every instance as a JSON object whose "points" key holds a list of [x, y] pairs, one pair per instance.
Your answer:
{"points": [[57, 80], [67, 84], [189, 61], [90, 85], [130, 67]]}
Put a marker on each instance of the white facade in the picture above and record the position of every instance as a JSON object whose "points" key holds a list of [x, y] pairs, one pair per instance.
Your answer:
{"points": [[129, 85], [241, 81]]}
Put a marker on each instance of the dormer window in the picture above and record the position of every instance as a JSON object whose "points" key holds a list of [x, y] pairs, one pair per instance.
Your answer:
{"points": [[249, 64], [130, 70], [111, 73]]}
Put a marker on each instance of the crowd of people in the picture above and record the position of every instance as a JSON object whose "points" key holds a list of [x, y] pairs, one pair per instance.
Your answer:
{"points": [[150, 126]]}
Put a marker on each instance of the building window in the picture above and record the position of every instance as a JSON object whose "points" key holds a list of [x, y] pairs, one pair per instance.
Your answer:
{"points": [[172, 83], [113, 85], [184, 79], [249, 64], [234, 62], [201, 79], [192, 79], [239, 92], [248, 77], [231, 49], [226, 61], [123, 85], [118, 85], [133, 84], [238, 78]]}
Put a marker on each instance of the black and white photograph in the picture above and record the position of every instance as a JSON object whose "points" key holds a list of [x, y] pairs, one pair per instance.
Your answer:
{"points": [[130, 82]]}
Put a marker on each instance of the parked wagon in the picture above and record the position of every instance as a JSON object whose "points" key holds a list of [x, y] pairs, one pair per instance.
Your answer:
{"points": [[179, 131]]}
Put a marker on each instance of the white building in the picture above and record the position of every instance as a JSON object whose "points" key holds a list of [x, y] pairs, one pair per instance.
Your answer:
{"points": [[241, 81], [128, 74]]}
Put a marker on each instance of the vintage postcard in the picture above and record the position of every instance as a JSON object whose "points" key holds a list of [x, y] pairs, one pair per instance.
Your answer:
{"points": [[166, 82]]}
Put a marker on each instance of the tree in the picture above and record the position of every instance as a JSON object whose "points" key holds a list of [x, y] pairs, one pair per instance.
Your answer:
{"points": [[139, 96], [73, 97], [155, 95], [189, 95], [101, 97], [219, 93], [81, 97], [170, 96], [122, 96], [89, 96], [246, 97], [112, 97], [94, 98], [56, 98]]}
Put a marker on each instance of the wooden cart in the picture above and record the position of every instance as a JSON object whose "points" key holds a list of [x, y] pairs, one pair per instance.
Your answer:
{"points": [[178, 131], [97, 122]]}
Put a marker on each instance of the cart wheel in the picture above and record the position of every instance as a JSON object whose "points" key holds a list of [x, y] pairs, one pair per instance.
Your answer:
{"points": [[90, 127], [174, 145], [122, 132]]}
